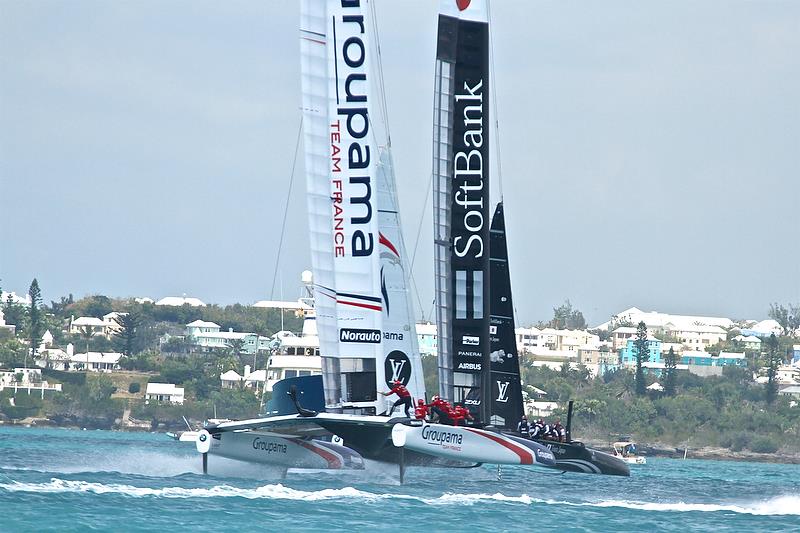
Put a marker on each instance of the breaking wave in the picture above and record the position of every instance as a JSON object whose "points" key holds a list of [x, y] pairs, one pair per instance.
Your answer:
{"points": [[781, 505]]}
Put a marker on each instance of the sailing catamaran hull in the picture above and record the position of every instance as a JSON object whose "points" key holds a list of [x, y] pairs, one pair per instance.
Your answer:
{"points": [[471, 444], [575, 457], [265, 448]]}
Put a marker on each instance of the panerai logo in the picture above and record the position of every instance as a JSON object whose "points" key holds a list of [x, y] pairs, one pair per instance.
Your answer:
{"points": [[369, 336]]}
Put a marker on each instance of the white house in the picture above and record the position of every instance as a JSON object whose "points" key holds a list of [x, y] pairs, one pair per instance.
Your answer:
{"points": [[788, 375], [697, 337], [179, 301], [750, 342], [26, 380], [658, 322], [83, 323], [164, 392], [59, 359], [207, 335], [110, 320]]}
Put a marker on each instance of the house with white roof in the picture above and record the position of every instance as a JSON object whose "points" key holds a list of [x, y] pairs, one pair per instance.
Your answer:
{"points": [[621, 336], [12, 297], [657, 322], [164, 392], [207, 336], [750, 342], [110, 320], [764, 329], [180, 301], [83, 323], [697, 337]]}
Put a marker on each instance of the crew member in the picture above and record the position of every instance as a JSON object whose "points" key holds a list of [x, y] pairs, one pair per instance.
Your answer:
{"points": [[560, 431], [536, 431], [544, 433], [421, 411], [403, 398], [524, 428], [440, 409], [459, 413]]}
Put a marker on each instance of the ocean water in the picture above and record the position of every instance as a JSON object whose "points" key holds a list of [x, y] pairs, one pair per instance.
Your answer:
{"points": [[68, 480]]}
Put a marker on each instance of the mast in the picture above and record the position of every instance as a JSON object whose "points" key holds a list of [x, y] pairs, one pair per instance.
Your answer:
{"points": [[461, 202], [503, 370]]}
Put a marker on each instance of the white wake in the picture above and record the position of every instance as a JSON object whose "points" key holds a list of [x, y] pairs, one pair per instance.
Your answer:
{"points": [[781, 505]]}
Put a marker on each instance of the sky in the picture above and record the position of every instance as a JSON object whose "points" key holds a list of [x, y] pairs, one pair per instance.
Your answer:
{"points": [[648, 151]]}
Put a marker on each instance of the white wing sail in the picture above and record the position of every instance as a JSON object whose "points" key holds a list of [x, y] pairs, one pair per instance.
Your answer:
{"points": [[361, 341]]}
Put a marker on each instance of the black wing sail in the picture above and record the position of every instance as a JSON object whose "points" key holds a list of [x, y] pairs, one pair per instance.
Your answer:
{"points": [[506, 403], [461, 207]]}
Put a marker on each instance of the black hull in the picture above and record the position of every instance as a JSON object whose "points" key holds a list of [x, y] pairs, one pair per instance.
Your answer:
{"points": [[575, 457]]}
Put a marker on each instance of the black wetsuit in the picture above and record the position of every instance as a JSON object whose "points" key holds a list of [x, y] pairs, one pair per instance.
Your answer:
{"points": [[524, 429]]}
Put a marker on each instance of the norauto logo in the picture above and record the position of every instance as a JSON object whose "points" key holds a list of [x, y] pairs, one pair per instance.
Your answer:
{"points": [[368, 336], [462, 4]]}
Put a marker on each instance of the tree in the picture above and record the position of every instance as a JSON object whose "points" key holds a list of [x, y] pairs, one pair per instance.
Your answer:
{"points": [[566, 317], [128, 333], [670, 368], [773, 361], [13, 312], [236, 347], [788, 318], [642, 354], [86, 334], [34, 318]]}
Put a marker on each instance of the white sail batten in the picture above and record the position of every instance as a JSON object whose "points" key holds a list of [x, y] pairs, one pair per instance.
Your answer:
{"points": [[442, 176], [366, 326], [316, 140], [400, 347]]}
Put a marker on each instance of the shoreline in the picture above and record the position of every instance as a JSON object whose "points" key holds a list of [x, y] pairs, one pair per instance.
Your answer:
{"points": [[714, 453], [649, 450]]}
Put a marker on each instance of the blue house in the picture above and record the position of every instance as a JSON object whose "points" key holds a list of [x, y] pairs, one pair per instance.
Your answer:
{"points": [[707, 359], [627, 355]]}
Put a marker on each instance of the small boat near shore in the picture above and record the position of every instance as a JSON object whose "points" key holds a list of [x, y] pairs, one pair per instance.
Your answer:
{"points": [[626, 451]]}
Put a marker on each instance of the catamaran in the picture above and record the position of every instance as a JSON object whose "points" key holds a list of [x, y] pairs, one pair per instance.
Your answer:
{"points": [[362, 302]]}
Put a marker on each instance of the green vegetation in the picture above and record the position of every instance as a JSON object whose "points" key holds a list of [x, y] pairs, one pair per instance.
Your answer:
{"points": [[642, 355], [728, 410]]}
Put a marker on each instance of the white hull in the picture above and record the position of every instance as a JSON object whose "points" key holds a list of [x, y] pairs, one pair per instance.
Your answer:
{"points": [[270, 449], [471, 445]]}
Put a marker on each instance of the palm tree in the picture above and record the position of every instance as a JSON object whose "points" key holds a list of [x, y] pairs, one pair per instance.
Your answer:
{"points": [[87, 333]]}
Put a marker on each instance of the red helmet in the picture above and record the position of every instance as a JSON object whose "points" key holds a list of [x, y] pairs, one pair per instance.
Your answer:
{"points": [[398, 382]]}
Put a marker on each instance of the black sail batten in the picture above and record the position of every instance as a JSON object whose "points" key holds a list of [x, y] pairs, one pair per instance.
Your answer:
{"points": [[461, 210], [506, 399]]}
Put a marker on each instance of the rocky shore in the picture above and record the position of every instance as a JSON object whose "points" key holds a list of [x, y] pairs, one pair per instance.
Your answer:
{"points": [[705, 452]]}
